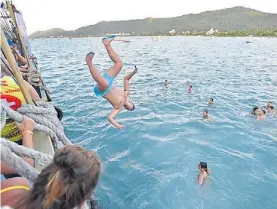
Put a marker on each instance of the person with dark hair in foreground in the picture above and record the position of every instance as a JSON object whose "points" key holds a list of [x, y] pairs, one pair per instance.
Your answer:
{"points": [[65, 183], [118, 97]]}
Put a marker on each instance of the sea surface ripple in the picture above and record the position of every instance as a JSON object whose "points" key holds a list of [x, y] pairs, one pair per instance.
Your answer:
{"points": [[153, 162]]}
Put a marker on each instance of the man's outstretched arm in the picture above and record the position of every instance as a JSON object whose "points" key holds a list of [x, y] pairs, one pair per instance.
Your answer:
{"points": [[112, 116]]}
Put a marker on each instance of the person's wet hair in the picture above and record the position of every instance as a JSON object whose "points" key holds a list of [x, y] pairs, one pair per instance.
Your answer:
{"points": [[133, 107], [66, 182], [264, 112], [203, 165], [271, 107], [255, 109], [212, 99], [190, 86], [126, 107]]}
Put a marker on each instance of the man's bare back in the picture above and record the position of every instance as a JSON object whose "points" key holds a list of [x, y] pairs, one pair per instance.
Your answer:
{"points": [[118, 97]]}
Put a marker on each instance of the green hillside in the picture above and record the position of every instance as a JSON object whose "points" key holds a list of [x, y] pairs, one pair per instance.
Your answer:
{"points": [[227, 20]]}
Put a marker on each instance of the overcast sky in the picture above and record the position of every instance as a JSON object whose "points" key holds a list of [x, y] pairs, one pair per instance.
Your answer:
{"points": [[70, 15]]}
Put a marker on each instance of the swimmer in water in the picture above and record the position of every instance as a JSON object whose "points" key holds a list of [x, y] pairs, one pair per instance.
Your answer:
{"points": [[211, 101], [255, 110], [269, 104], [205, 114], [165, 83], [190, 89], [261, 115], [203, 167], [271, 110], [118, 97]]}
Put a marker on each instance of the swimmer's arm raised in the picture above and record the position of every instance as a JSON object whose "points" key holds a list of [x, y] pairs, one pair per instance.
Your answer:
{"points": [[112, 116]]}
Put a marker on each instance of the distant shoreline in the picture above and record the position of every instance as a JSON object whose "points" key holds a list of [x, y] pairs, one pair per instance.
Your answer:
{"points": [[230, 22], [227, 36]]}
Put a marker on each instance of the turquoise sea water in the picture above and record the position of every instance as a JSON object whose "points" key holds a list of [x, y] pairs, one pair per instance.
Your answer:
{"points": [[153, 162]]}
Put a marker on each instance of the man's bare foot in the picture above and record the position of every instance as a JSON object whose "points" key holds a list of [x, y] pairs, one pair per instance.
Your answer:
{"points": [[89, 56], [107, 40]]}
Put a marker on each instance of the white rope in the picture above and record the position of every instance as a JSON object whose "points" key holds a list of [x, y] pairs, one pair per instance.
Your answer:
{"points": [[18, 164], [3, 118], [35, 79], [45, 117], [26, 152], [46, 120]]}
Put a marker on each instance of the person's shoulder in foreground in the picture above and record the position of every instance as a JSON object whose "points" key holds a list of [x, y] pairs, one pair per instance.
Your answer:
{"points": [[67, 182]]}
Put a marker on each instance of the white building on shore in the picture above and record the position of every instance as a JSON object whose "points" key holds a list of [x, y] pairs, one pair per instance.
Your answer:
{"points": [[172, 32], [118, 34], [211, 32], [186, 32]]}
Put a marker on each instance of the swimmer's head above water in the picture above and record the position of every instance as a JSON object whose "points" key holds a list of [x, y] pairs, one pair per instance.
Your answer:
{"points": [[255, 110], [203, 166], [211, 101], [190, 89], [269, 104], [261, 115], [270, 109], [205, 114], [262, 112]]}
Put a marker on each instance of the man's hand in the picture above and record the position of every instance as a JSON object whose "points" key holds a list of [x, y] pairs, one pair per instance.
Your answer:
{"points": [[121, 127], [112, 120], [114, 113]]}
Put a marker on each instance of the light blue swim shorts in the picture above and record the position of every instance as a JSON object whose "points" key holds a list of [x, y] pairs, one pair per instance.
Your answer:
{"points": [[109, 79]]}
